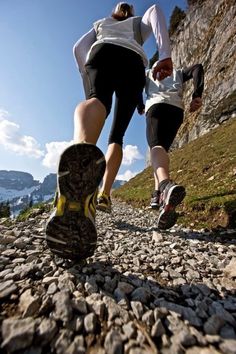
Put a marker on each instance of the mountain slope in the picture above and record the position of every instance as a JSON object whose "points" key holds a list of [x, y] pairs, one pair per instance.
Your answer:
{"points": [[207, 168], [21, 190], [207, 35]]}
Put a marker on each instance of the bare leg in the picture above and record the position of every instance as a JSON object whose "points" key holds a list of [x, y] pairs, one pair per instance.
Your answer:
{"points": [[160, 164], [113, 159], [71, 232], [89, 119]]}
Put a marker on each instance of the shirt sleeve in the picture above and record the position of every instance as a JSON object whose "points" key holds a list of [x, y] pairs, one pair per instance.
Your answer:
{"points": [[154, 21], [82, 47], [195, 72]]}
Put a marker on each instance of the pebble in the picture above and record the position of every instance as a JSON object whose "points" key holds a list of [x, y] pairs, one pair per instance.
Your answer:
{"points": [[143, 291]]}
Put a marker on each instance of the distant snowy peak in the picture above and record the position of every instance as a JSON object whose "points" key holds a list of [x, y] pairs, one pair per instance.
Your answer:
{"points": [[9, 194], [21, 190], [16, 180]]}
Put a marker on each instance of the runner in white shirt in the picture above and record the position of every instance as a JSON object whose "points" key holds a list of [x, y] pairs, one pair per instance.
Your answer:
{"points": [[111, 59], [164, 109]]}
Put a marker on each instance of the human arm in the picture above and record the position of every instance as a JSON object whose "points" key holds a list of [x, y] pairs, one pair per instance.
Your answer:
{"points": [[82, 47], [195, 104], [154, 21], [195, 72]]}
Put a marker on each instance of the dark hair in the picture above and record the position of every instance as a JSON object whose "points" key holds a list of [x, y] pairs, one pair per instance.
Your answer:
{"points": [[123, 11]]}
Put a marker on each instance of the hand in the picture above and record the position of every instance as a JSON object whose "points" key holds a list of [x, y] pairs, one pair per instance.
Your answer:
{"points": [[195, 104], [162, 69]]}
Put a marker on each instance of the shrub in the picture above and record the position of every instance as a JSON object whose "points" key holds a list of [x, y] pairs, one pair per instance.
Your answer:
{"points": [[194, 2], [177, 16], [37, 209], [5, 210]]}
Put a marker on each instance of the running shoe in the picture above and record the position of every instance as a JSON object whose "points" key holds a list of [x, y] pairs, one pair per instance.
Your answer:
{"points": [[71, 231], [104, 202], [170, 198], [154, 203]]}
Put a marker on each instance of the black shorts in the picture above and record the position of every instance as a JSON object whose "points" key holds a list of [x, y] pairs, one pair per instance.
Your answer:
{"points": [[163, 122], [114, 69]]}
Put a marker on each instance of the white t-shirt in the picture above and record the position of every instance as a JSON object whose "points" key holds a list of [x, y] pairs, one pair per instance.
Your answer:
{"points": [[169, 90], [153, 21]]}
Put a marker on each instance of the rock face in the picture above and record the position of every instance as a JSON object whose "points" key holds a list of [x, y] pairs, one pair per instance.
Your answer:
{"points": [[46, 188], [17, 180], [207, 35], [20, 189], [142, 292]]}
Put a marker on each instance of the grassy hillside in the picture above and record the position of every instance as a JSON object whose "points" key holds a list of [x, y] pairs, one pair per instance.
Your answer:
{"points": [[207, 168]]}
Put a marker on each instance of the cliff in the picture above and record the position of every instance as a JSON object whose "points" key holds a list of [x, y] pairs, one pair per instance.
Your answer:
{"points": [[207, 35], [20, 189], [16, 180]]}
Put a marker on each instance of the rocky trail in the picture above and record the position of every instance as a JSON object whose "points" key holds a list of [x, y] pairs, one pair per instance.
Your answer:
{"points": [[143, 292]]}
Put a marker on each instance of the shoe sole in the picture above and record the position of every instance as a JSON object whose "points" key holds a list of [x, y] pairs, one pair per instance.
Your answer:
{"points": [[154, 206], [168, 216], [103, 208], [72, 233]]}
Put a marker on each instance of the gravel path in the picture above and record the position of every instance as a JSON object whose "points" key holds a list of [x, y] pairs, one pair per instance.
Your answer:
{"points": [[142, 292]]}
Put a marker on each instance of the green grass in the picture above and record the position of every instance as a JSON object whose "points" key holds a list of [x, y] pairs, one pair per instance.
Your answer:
{"points": [[207, 169], [36, 209]]}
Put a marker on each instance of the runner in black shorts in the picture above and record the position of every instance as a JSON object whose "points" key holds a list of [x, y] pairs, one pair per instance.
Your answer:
{"points": [[103, 81], [161, 128], [164, 114], [111, 60]]}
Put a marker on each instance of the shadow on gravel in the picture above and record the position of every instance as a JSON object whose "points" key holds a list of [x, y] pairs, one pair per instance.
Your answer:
{"points": [[217, 236], [221, 234], [121, 225], [186, 306]]}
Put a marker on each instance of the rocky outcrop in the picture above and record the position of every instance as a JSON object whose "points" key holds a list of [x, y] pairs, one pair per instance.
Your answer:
{"points": [[21, 190], [207, 35], [49, 184], [17, 180]]}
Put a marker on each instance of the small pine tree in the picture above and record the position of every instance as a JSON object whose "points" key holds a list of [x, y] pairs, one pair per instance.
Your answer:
{"points": [[177, 16], [31, 203], [8, 209], [194, 2], [5, 211]]}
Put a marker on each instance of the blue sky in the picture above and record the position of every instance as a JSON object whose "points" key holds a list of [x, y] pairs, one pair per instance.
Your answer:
{"points": [[40, 85]]}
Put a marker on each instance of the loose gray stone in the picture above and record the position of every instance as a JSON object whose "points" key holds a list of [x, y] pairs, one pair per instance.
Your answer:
{"points": [[113, 343], [7, 288], [18, 333], [173, 293], [228, 346], [63, 308], [90, 323]]}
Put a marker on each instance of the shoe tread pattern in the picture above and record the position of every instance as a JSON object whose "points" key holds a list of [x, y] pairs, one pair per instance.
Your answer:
{"points": [[80, 171], [168, 216]]}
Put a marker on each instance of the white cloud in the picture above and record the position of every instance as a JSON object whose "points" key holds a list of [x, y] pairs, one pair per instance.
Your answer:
{"points": [[11, 139], [126, 176], [3, 114], [54, 149], [130, 154]]}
